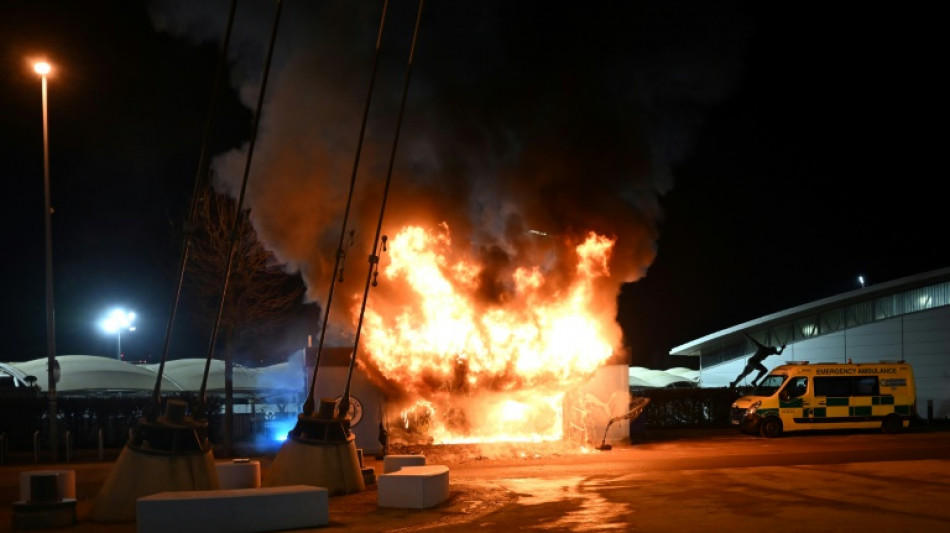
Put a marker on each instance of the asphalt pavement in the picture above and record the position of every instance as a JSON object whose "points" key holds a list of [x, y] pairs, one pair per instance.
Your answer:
{"points": [[673, 481]]}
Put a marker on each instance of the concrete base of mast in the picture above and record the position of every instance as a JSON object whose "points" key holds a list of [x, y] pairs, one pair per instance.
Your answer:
{"points": [[320, 451], [171, 453]]}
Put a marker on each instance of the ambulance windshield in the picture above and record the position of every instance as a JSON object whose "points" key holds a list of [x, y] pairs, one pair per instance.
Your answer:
{"points": [[769, 385]]}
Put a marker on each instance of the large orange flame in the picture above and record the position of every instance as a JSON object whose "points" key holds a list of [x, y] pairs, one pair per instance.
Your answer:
{"points": [[486, 371]]}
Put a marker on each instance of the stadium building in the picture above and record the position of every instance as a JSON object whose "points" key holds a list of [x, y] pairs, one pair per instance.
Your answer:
{"points": [[903, 320]]}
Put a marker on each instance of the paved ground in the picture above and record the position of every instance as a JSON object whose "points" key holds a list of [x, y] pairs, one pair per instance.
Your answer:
{"points": [[700, 480]]}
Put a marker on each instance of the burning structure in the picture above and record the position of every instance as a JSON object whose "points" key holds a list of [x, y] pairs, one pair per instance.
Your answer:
{"points": [[531, 363], [463, 362]]}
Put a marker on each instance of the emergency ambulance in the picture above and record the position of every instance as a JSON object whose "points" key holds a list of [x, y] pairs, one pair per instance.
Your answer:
{"points": [[801, 396]]}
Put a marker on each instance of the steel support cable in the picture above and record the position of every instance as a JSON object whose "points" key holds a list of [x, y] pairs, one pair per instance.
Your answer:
{"points": [[200, 408], [374, 257], [154, 407], [309, 404]]}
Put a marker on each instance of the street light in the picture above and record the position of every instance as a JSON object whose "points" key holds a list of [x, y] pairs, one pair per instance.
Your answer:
{"points": [[43, 68], [115, 322]]}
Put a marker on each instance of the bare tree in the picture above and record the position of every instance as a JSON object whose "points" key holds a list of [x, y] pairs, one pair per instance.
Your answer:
{"points": [[260, 297]]}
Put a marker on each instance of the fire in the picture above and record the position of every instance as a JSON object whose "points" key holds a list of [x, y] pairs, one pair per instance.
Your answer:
{"points": [[487, 418], [480, 369]]}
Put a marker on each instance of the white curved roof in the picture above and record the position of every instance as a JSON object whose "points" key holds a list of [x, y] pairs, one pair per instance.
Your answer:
{"points": [[188, 373], [94, 373], [91, 372], [647, 378]]}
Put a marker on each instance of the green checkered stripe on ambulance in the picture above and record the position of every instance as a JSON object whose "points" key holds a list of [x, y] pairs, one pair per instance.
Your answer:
{"points": [[861, 406], [853, 406]]}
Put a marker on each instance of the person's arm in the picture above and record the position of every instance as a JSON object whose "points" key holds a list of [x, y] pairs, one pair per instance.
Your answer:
{"points": [[757, 343]]}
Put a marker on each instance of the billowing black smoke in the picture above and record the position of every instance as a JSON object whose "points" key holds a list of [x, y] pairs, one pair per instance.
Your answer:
{"points": [[525, 121]]}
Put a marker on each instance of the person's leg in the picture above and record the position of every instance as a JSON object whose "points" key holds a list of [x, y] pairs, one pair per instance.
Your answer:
{"points": [[745, 371], [762, 372]]}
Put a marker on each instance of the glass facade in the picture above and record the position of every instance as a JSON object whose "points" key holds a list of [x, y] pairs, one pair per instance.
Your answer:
{"points": [[831, 320]]}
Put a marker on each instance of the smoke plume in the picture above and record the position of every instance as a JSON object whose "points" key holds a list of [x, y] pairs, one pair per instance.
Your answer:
{"points": [[527, 126]]}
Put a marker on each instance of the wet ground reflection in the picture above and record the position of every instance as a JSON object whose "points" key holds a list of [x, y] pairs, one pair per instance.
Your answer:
{"points": [[569, 503]]}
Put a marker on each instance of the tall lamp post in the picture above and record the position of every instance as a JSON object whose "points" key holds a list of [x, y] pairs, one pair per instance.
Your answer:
{"points": [[115, 322], [43, 68]]}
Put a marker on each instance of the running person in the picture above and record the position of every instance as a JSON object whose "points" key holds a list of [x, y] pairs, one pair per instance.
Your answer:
{"points": [[755, 362]]}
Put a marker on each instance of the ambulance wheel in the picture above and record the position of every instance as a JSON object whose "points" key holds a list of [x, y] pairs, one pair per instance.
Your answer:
{"points": [[892, 424], [771, 427]]}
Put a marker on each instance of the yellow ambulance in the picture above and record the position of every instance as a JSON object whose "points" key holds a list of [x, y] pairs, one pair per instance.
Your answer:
{"points": [[801, 396]]}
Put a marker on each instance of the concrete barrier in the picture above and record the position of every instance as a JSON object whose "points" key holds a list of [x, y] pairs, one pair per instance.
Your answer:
{"points": [[414, 487], [239, 474], [65, 482], [234, 510], [391, 463], [44, 505]]}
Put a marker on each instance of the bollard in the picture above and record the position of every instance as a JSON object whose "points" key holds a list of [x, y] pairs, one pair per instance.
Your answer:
{"points": [[102, 446], [930, 412], [36, 446], [69, 445]]}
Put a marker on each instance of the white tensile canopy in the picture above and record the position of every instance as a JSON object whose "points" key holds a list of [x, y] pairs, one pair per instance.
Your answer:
{"points": [[642, 377], [90, 373]]}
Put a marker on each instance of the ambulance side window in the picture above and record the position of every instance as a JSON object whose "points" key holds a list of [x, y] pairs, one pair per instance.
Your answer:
{"points": [[797, 387], [837, 386], [865, 386], [843, 386]]}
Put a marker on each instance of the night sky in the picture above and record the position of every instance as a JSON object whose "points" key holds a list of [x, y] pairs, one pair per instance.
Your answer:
{"points": [[764, 156]]}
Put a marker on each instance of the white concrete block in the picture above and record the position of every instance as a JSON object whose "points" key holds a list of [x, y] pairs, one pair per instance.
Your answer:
{"points": [[414, 487], [234, 510], [391, 463], [65, 482], [239, 474]]}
